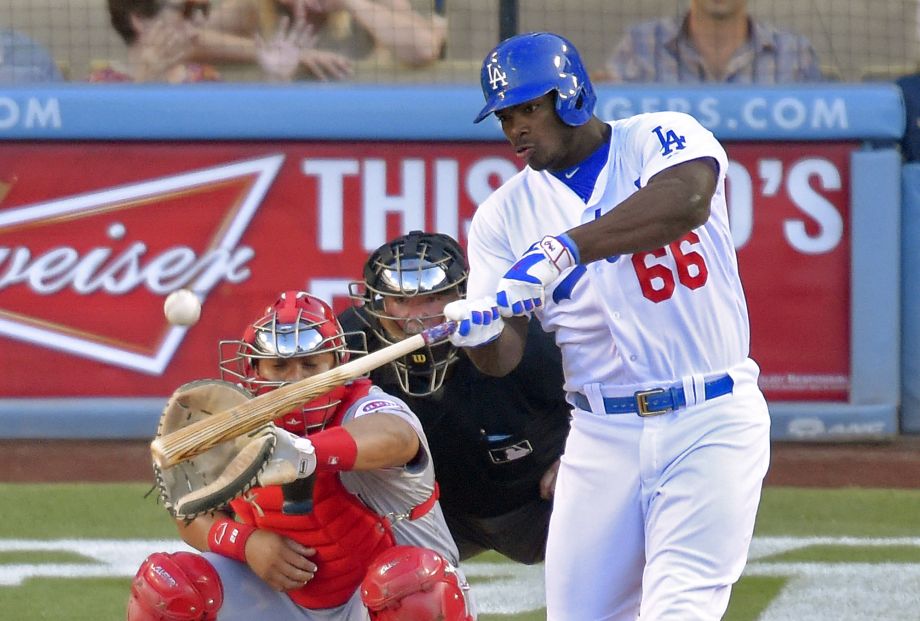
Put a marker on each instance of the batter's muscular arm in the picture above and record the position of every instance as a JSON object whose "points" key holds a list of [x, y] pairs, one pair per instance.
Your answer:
{"points": [[502, 355], [673, 203], [383, 441]]}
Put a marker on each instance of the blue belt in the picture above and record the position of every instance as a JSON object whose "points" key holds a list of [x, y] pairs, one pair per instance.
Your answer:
{"points": [[657, 400]]}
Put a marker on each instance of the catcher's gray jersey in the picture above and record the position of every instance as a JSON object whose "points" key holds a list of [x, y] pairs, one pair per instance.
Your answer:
{"points": [[388, 491], [394, 491]]}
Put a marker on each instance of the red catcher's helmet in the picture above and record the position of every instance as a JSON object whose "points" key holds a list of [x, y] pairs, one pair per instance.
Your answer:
{"points": [[408, 583], [296, 325], [175, 587]]}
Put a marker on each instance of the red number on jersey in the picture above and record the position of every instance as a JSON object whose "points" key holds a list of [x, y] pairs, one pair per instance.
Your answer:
{"points": [[657, 280]]}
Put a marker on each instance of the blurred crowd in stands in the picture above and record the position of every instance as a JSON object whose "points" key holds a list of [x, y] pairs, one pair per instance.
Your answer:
{"points": [[180, 41], [23, 60], [184, 41], [714, 41], [187, 41]]}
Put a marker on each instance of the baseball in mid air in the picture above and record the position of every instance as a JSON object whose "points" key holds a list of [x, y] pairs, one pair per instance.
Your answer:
{"points": [[182, 308]]}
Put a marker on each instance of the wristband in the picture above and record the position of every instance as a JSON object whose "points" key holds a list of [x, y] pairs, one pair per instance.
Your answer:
{"points": [[569, 243], [228, 538], [335, 450]]}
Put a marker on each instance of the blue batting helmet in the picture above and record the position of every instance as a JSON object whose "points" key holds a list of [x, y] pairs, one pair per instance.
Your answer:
{"points": [[527, 66]]}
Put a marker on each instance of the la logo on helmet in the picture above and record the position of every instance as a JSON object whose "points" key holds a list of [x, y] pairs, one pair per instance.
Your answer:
{"points": [[497, 77]]}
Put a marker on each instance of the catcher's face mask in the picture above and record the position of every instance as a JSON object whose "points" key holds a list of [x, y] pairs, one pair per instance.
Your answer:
{"points": [[297, 337], [407, 283], [287, 370]]}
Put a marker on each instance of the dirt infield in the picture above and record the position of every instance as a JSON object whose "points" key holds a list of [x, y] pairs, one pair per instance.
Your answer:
{"points": [[893, 464]]}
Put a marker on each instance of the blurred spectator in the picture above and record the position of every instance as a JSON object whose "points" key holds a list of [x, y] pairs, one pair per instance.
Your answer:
{"points": [[715, 41], [910, 144], [165, 38], [910, 87], [346, 31], [161, 37], [23, 60]]}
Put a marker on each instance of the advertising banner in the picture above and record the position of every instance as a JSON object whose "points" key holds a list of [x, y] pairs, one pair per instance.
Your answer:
{"points": [[94, 235]]}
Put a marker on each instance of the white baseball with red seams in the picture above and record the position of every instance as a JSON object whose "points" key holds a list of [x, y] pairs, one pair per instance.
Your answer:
{"points": [[182, 308], [670, 532]]}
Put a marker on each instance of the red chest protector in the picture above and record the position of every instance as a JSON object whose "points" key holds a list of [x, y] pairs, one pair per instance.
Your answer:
{"points": [[346, 534]]}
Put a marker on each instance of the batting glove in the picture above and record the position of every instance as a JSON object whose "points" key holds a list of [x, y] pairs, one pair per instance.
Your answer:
{"points": [[294, 458], [478, 322], [522, 287]]}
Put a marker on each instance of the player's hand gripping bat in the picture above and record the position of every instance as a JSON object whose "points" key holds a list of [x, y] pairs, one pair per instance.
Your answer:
{"points": [[200, 436]]}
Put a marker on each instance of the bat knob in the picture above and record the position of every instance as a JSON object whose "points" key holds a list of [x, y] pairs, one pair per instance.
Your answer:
{"points": [[439, 332], [156, 451]]}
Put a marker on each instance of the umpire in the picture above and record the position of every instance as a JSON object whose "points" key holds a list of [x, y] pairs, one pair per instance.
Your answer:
{"points": [[495, 442]]}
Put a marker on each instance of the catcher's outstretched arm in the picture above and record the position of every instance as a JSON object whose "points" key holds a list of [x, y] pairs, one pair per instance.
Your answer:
{"points": [[383, 441], [198, 437]]}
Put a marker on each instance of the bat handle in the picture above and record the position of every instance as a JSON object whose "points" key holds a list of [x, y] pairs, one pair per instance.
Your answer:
{"points": [[298, 496], [439, 332]]}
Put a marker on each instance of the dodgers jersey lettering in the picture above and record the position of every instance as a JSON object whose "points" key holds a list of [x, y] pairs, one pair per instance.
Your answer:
{"points": [[692, 318]]}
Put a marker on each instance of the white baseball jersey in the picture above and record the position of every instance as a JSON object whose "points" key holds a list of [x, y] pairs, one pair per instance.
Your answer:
{"points": [[664, 505], [676, 312]]}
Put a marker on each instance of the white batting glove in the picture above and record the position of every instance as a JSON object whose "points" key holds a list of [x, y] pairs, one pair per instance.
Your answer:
{"points": [[294, 458], [522, 288], [478, 322]]}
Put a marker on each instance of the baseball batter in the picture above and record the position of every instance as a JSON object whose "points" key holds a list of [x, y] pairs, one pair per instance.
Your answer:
{"points": [[372, 545], [616, 236]]}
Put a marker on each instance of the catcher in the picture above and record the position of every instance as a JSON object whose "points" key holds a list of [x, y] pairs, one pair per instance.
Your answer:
{"points": [[366, 539]]}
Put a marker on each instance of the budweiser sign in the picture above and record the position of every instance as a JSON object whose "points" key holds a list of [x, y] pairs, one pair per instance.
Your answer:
{"points": [[71, 251], [94, 235]]}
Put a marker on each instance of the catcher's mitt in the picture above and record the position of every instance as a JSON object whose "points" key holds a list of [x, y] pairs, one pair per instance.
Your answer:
{"points": [[211, 480]]}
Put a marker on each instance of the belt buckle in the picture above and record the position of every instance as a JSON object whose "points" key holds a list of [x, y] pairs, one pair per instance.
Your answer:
{"points": [[642, 398]]}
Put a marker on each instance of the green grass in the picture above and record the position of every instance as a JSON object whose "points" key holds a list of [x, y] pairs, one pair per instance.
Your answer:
{"points": [[851, 512], [87, 511], [42, 556], [120, 511], [57, 599], [849, 554], [751, 596]]}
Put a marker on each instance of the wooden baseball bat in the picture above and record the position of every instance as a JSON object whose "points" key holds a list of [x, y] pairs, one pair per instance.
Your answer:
{"points": [[207, 433]]}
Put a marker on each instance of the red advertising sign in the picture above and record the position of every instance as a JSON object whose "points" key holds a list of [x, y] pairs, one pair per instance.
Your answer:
{"points": [[790, 215], [94, 236]]}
